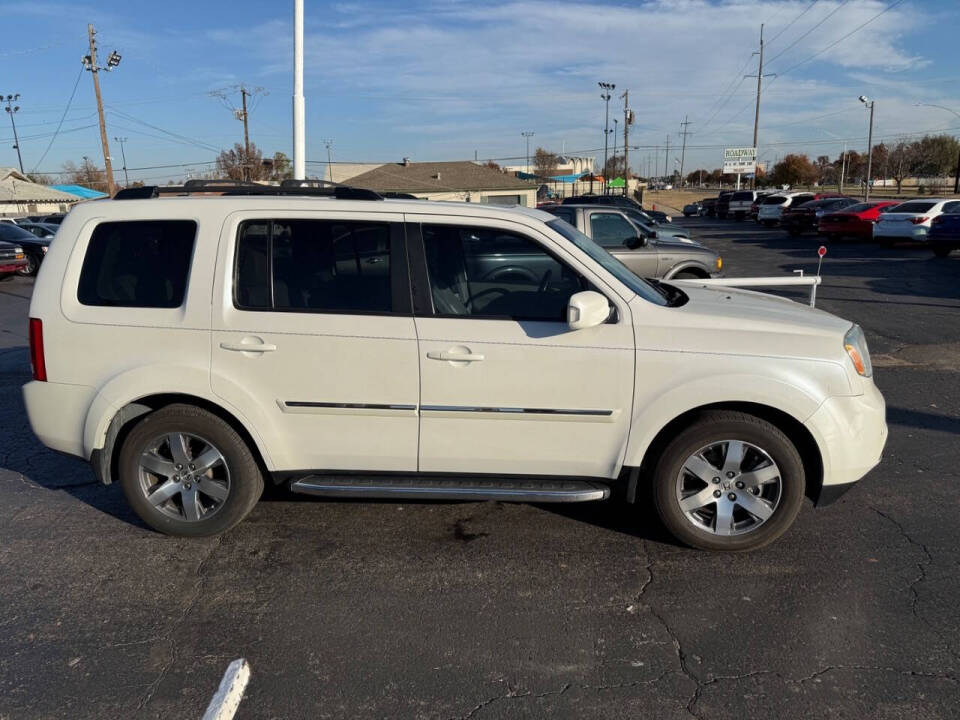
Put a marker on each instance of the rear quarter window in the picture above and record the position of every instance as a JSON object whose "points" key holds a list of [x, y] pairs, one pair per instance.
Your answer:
{"points": [[912, 207], [143, 263]]}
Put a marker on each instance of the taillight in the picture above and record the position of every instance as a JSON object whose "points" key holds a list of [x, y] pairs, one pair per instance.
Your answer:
{"points": [[918, 220], [36, 350]]}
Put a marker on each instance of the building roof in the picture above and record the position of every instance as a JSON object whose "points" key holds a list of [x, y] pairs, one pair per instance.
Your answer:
{"points": [[15, 187], [80, 191], [460, 176]]}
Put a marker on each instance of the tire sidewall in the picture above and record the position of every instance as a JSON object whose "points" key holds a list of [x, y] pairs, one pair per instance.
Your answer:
{"points": [[246, 481], [756, 432]]}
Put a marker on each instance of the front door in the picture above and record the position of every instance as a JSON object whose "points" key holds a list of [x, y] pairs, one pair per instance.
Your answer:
{"points": [[314, 340], [612, 231], [506, 386]]}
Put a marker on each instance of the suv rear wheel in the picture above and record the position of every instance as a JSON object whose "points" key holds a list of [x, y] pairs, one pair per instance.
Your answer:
{"points": [[729, 481], [187, 472]]}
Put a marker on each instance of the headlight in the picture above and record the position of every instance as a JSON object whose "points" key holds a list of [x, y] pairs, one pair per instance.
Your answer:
{"points": [[719, 263], [855, 344]]}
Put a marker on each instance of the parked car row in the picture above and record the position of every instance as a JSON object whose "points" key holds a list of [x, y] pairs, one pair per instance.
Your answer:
{"points": [[840, 217], [34, 241]]}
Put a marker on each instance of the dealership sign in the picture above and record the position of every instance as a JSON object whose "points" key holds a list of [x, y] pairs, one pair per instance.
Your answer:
{"points": [[737, 161]]}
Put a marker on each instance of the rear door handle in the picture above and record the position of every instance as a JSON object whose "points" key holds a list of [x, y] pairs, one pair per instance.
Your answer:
{"points": [[251, 347], [454, 357]]}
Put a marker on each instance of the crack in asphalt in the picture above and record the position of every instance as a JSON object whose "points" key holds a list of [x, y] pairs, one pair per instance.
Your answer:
{"points": [[921, 577], [168, 636]]}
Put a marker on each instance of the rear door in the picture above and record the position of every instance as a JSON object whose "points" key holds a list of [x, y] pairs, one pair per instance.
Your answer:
{"points": [[313, 338]]}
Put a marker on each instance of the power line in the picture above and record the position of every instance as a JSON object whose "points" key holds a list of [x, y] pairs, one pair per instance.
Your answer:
{"points": [[789, 24], [828, 16], [62, 118]]}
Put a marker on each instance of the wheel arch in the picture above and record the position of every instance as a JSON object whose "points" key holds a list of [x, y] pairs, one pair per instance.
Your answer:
{"points": [[104, 458], [793, 428], [691, 266]]}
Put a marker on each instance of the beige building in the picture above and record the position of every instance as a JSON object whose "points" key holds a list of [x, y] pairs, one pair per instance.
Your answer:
{"points": [[19, 196], [459, 181]]}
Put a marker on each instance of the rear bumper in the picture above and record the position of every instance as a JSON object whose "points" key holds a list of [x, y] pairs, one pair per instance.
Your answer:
{"points": [[901, 231], [851, 433], [58, 413]]}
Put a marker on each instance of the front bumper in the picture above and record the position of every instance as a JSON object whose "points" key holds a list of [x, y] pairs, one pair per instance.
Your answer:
{"points": [[9, 267], [851, 433]]}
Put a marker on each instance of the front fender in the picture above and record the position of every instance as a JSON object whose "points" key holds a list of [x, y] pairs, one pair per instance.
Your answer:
{"points": [[655, 411], [688, 265], [142, 382]]}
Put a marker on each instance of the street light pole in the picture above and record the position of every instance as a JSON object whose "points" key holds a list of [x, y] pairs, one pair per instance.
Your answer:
{"points": [[869, 103], [616, 126], [605, 95], [12, 111], [126, 178], [527, 134]]}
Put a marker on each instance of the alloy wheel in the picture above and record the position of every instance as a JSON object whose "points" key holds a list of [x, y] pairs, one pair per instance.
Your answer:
{"points": [[184, 476], [729, 487]]}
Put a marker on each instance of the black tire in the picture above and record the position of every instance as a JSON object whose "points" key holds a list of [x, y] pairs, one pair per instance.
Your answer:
{"points": [[687, 275], [33, 264], [941, 251], [246, 479], [715, 426]]}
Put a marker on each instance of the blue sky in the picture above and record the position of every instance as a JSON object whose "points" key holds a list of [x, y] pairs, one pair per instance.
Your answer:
{"points": [[441, 80]]}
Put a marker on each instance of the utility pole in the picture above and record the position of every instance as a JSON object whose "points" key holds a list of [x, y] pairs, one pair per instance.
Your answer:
{"points": [[329, 144], [756, 114], [90, 63], [615, 123], [12, 111], [605, 96], [627, 121], [666, 161], [527, 134], [683, 152], [866, 190], [246, 135], [299, 122], [126, 178], [843, 168], [241, 113]]}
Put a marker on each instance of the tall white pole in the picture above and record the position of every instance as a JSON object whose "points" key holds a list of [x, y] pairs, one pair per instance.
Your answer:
{"points": [[299, 118]]}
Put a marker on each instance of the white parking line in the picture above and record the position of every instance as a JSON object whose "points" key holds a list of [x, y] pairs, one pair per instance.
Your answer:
{"points": [[224, 703]]}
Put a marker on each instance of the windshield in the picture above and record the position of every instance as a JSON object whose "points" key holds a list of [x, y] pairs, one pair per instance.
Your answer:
{"points": [[610, 263]]}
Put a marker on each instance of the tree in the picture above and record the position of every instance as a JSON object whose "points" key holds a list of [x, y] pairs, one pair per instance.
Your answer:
{"points": [[87, 174], [902, 160], [232, 163], [279, 167], [615, 167], [794, 169], [825, 170], [936, 155], [493, 166], [545, 164]]}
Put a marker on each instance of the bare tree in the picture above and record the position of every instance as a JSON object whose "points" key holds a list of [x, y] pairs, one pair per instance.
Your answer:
{"points": [[545, 164], [86, 174], [231, 163]]}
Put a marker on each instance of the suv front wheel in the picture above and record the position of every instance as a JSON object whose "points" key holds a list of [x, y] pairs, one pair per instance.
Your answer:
{"points": [[186, 472], [729, 481]]}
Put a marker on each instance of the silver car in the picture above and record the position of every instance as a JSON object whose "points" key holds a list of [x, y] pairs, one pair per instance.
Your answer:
{"points": [[645, 251]]}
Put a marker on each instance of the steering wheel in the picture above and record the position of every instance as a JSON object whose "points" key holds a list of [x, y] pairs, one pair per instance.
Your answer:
{"points": [[502, 291], [545, 281]]}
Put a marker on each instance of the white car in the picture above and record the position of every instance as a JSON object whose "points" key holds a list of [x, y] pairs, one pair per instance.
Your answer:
{"points": [[911, 220], [771, 207], [193, 348]]}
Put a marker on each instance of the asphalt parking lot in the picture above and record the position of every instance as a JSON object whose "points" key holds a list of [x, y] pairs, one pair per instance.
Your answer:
{"points": [[466, 610]]}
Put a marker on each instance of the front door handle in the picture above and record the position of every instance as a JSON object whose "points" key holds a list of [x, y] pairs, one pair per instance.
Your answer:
{"points": [[248, 347], [454, 357]]}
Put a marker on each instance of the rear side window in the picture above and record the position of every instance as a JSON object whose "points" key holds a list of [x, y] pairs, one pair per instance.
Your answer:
{"points": [[913, 207], [141, 263], [774, 200], [313, 266]]}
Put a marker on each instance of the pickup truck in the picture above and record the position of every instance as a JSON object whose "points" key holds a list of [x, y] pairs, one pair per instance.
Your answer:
{"points": [[646, 252], [12, 258]]}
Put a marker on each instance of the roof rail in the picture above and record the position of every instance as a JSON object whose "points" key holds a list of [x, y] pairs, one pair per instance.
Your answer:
{"points": [[308, 188]]}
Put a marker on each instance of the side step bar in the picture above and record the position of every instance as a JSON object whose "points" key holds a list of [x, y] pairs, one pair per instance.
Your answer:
{"points": [[430, 488]]}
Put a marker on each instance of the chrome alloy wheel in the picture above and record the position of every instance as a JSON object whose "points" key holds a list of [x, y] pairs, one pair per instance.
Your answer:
{"points": [[729, 487], [184, 476]]}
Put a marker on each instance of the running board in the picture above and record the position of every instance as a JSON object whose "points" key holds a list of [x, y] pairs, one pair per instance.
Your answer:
{"points": [[440, 488]]}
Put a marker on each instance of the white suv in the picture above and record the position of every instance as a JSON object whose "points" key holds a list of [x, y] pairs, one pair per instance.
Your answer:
{"points": [[192, 348]]}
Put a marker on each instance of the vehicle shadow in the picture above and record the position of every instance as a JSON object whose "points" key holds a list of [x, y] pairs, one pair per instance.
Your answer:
{"points": [[923, 420]]}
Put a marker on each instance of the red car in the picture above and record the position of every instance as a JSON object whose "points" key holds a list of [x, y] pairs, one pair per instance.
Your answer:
{"points": [[854, 221]]}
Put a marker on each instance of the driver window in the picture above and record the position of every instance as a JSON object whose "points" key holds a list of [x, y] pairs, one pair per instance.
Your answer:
{"points": [[484, 272], [611, 229]]}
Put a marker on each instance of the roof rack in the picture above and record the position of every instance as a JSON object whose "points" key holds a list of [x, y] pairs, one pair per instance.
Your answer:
{"points": [[308, 188]]}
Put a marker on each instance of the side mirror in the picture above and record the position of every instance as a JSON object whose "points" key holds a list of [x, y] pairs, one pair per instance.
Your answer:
{"points": [[587, 309], [635, 241]]}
